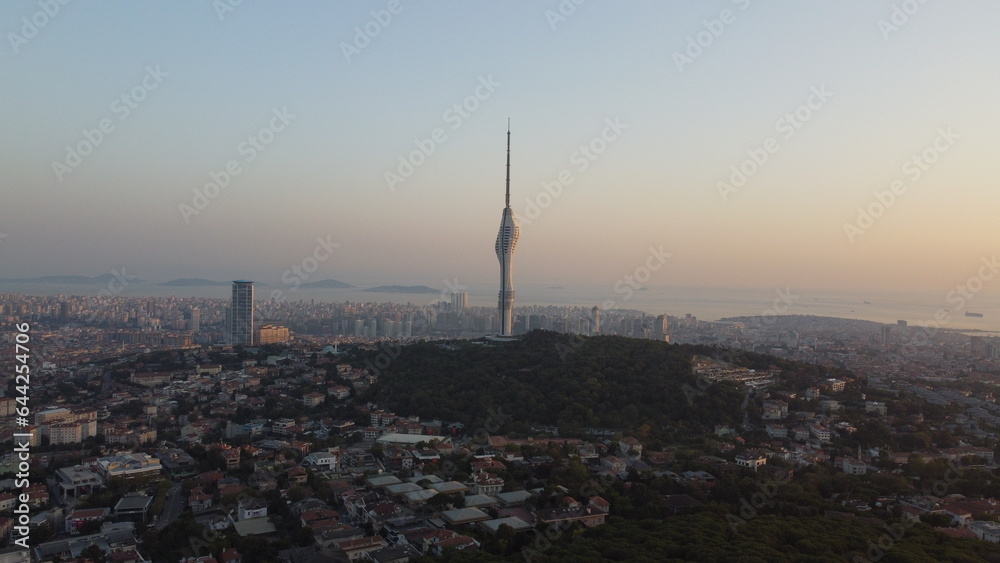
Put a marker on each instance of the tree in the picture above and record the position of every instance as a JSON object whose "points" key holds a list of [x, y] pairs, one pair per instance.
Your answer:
{"points": [[505, 539], [443, 501], [94, 553], [41, 534], [90, 527], [936, 520]]}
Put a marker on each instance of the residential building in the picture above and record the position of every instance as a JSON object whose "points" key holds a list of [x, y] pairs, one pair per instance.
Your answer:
{"points": [[986, 530], [251, 508], [134, 507], [356, 549], [487, 484], [65, 433], [820, 432], [313, 399], [339, 392], [177, 463], [630, 447], [572, 512], [118, 541], [776, 431], [616, 465], [750, 461], [241, 314], [876, 407], [853, 466], [75, 519], [76, 481], [128, 466], [835, 385], [323, 460], [272, 334]]}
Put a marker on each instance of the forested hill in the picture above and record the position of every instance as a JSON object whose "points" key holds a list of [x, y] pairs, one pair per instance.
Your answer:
{"points": [[553, 379]]}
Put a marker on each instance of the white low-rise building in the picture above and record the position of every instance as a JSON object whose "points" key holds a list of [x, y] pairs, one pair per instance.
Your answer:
{"points": [[853, 466], [820, 432], [986, 530], [751, 461], [775, 431], [324, 461]]}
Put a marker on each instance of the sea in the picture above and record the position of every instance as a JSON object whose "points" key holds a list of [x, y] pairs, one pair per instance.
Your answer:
{"points": [[705, 303]]}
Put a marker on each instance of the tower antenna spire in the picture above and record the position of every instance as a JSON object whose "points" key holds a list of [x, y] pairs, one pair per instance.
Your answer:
{"points": [[508, 162]]}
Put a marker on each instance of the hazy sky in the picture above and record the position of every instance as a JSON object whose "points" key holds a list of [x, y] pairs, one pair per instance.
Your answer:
{"points": [[838, 96]]}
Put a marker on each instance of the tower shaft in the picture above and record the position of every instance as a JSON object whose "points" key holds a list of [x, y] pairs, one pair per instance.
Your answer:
{"points": [[506, 241]]}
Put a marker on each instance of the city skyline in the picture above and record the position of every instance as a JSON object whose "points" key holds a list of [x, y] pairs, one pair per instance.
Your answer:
{"points": [[758, 284], [842, 146]]}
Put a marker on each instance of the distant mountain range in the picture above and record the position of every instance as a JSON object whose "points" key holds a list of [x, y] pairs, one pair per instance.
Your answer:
{"points": [[402, 289], [73, 280], [327, 284], [201, 282], [192, 282]]}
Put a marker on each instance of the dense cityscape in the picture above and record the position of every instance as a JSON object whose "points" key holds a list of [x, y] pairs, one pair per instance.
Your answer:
{"points": [[653, 391], [148, 420]]}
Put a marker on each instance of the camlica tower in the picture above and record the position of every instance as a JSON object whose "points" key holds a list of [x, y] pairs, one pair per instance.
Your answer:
{"points": [[506, 240]]}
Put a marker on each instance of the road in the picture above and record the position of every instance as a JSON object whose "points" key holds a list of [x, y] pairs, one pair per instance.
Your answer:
{"points": [[172, 508]]}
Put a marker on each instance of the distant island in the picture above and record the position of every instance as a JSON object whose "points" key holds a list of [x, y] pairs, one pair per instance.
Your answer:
{"points": [[402, 289], [192, 282], [72, 280], [327, 284]]}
